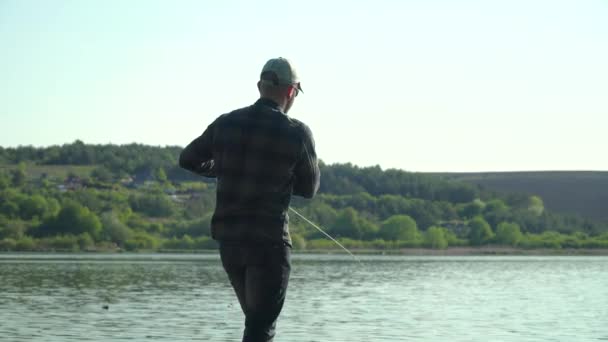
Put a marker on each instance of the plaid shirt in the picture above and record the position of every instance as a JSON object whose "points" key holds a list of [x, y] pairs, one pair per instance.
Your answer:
{"points": [[260, 157]]}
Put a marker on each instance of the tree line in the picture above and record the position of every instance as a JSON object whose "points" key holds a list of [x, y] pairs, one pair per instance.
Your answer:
{"points": [[135, 197]]}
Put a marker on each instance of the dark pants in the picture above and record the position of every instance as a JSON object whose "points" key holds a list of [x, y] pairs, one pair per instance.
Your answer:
{"points": [[259, 274]]}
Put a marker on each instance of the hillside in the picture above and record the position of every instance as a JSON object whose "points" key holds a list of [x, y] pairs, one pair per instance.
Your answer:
{"points": [[578, 192], [134, 197]]}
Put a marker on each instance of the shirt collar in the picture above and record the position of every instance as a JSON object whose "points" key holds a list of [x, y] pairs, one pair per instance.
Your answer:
{"points": [[268, 103]]}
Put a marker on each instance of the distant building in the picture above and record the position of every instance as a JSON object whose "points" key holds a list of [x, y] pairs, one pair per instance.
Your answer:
{"points": [[72, 182]]}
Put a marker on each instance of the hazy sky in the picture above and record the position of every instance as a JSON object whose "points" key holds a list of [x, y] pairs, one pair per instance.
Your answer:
{"points": [[418, 85]]}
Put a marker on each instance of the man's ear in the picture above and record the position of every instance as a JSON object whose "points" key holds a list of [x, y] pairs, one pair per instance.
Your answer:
{"points": [[291, 92]]}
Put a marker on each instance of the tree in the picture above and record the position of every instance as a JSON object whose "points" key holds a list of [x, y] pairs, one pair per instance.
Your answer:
{"points": [[321, 212], [5, 180], [472, 209], [456, 192], [368, 229], [496, 211], [195, 228], [160, 175], [74, 219], [85, 241], [426, 213], [9, 209], [114, 230], [389, 205], [12, 229], [33, 206], [141, 240], [435, 237], [102, 174], [19, 175], [536, 205], [508, 233], [87, 197], [399, 227], [153, 205], [347, 224], [52, 208], [479, 231]]}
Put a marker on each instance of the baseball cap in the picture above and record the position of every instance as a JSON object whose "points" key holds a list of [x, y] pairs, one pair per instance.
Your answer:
{"points": [[280, 71]]}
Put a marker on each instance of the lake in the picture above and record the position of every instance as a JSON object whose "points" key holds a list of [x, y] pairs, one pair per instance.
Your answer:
{"points": [[177, 297]]}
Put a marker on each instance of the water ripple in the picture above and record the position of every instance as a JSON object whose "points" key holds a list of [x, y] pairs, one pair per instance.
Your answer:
{"points": [[330, 298]]}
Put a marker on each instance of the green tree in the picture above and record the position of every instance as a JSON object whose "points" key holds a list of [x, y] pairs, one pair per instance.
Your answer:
{"points": [[347, 224], [142, 240], [471, 210], [536, 205], [85, 241], [496, 211], [426, 213], [9, 209], [479, 231], [389, 205], [90, 198], [74, 219], [19, 175], [153, 205], [508, 234], [12, 229], [454, 240], [114, 230], [5, 180], [321, 212], [160, 175], [102, 174], [368, 229], [53, 207], [33, 206], [435, 237], [399, 227]]}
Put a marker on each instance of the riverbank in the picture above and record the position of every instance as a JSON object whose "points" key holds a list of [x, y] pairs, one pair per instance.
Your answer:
{"points": [[463, 251], [450, 251]]}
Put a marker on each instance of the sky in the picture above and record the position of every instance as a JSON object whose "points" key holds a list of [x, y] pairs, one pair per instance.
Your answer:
{"points": [[429, 86]]}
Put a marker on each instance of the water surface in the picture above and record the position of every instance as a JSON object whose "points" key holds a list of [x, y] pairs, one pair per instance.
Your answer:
{"points": [[161, 297]]}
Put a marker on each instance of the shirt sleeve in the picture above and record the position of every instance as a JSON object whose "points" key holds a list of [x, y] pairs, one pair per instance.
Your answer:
{"points": [[307, 174], [197, 157]]}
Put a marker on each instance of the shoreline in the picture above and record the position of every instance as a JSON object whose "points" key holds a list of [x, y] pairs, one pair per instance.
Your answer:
{"points": [[470, 251], [450, 251]]}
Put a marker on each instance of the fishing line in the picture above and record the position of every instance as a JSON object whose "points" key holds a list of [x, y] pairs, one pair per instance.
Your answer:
{"points": [[322, 231]]}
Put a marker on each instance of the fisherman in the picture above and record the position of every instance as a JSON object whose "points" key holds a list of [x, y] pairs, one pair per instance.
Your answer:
{"points": [[259, 157]]}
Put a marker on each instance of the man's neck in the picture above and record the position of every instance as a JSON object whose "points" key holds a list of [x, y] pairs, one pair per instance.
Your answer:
{"points": [[278, 103]]}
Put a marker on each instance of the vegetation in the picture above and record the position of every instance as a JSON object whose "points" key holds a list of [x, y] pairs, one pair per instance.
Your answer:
{"points": [[586, 190], [79, 197]]}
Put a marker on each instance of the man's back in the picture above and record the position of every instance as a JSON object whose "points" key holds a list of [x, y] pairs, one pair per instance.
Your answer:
{"points": [[260, 157]]}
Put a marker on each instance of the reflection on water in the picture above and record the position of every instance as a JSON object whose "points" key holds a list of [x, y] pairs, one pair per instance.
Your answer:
{"points": [[330, 298]]}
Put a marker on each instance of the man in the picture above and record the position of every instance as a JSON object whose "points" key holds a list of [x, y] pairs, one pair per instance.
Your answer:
{"points": [[260, 157]]}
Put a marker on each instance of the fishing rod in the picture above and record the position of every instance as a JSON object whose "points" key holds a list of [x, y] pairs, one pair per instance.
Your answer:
{"points": [[322, 231]]}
